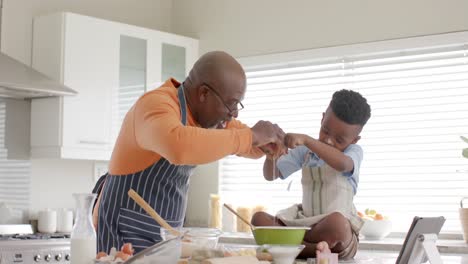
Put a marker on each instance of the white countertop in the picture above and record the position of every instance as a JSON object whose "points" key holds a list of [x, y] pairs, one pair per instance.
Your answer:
{"points": [[395, 244], [387, 244], [385, 257], [378, 251]]}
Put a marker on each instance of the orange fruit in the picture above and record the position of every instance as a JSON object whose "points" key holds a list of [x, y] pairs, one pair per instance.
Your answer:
{"points": [[127, 248], [360, 214], [378, 217], [101, 254]]}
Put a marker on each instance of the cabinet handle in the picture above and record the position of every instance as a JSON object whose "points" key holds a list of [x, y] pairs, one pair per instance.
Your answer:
{"points": [[94, 142]]}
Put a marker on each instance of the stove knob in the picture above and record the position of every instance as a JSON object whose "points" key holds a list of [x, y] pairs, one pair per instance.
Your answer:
{"points": [[58, 257], [37, 258], [48, 257], [67, 257]]}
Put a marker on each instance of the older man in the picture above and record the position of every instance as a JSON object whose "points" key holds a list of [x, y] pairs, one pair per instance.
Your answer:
{"points": [[164, 135]]}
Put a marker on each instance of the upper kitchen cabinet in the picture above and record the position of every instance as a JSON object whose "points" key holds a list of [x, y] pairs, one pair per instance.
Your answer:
{"points": [[110, 65]]}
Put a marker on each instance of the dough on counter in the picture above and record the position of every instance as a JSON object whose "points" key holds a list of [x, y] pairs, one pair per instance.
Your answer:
{"points": [[234, 260], [183, 261]]}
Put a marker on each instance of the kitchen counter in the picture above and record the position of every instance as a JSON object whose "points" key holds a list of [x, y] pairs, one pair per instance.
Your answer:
{"points": [[377, 251], [386, 257], [448, 246]]}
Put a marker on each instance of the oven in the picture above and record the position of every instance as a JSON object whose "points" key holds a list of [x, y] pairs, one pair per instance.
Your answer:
{"points": [[35, 251], [34, 248]]}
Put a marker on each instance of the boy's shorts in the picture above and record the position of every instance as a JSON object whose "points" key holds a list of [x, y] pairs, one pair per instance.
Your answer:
{"points": [[350, 251]]}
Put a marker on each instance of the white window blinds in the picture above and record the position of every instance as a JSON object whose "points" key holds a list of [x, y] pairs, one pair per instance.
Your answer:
{"points": [[15, 178], [412, 147]]}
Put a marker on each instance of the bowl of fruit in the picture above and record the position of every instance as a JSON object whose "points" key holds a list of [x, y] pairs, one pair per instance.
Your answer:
{"points": [[376, 226]]}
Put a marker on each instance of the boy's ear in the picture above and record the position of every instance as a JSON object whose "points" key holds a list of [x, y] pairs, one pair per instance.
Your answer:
{"points": [[356, 140]]}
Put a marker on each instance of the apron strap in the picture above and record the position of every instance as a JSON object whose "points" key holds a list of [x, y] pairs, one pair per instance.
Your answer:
{"points": [[183, 104]]}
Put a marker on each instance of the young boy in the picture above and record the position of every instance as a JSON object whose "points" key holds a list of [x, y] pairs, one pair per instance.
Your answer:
{"points": [[330, 175]]}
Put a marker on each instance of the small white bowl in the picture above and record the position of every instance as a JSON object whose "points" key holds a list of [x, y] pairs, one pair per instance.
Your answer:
{"points": [[377, 229], [283, 254]]}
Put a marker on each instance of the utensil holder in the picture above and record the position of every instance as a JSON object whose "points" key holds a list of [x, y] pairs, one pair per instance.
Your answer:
{"points": [[464, 219]]}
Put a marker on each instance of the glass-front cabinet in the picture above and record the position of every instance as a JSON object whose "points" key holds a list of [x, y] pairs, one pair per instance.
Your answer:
{"points": [[145, 62], [173, 62], [110, 65]]}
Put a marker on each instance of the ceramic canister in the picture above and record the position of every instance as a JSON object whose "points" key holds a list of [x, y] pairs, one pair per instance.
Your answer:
{"points": [[64, 221], [47, 222]]}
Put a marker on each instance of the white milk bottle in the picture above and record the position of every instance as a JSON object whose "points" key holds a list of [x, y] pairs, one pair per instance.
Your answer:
{"points": [[83, 236]]}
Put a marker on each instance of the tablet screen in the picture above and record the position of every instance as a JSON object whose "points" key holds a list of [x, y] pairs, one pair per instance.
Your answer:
{"points": [[420, 225]]}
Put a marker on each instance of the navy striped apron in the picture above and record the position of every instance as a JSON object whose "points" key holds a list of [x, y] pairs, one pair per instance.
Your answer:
{"points": [[163, 185]]}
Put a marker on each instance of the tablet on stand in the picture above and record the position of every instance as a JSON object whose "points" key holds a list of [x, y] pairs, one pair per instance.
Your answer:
{"points": [[420, 242]]}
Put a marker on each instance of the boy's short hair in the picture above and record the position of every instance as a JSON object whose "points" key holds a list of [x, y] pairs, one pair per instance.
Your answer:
{"points": [[350, 107]]}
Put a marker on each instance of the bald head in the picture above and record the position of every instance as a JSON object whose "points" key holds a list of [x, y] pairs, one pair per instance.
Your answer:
{"points": [[219, 69], [215, 87]]}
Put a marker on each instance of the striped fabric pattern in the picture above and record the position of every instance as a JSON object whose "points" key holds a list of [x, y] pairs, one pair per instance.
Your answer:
{"points": [[163, 185]]}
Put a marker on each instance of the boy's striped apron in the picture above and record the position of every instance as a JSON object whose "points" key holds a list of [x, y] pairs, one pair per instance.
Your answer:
{"points": [[163, 185], [324, 191]]}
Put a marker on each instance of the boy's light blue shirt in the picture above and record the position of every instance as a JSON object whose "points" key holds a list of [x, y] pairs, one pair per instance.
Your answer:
{"points": [[295, 159]]}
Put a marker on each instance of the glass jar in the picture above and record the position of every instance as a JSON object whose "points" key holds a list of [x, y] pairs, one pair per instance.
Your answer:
{"points": [[194, 239], [83, 236], [215, 212], [246, 213]]}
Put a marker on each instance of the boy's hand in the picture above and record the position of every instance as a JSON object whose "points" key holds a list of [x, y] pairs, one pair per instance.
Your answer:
{"points": [[292, 140], [322, 247]]}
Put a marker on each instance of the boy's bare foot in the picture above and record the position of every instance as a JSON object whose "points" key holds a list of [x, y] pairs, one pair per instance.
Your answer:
{"points": [[322, 247]]}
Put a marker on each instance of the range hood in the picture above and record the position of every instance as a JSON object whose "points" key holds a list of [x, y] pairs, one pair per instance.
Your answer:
{"points": [[20, 81]]}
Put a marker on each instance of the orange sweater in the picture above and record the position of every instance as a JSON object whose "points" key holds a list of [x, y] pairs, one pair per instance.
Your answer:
{"points": [[152, 129]]}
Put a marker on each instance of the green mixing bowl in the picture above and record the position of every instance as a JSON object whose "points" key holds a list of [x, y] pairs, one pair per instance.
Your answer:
{"points": [[284, 235]]}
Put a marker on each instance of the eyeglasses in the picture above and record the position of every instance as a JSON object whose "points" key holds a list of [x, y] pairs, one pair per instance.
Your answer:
{"points": [[238, 106]]}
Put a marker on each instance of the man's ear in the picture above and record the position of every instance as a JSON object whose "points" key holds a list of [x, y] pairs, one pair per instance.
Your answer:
{"points": [[356, 140], [202, 93]]}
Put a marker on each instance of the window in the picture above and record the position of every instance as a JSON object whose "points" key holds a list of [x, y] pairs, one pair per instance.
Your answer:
{"points": [[418, 92], [15, 178]]}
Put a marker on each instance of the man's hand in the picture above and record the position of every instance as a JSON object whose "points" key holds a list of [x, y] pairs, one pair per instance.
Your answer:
{"points": [[292, 140], [272, 151], [264, 133]]}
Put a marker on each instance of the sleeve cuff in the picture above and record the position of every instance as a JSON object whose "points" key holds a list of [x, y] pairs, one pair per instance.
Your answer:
{"points": [[244, 137]]}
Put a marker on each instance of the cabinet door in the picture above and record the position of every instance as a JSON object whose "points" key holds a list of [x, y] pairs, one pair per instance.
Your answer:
{"points": [[132, 78], [91, 67], [147, 59], [178, 54], [169, 56]]}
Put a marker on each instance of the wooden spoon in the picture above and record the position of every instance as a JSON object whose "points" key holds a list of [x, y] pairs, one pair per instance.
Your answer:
{"points": [[149, 210], [240, 217]]}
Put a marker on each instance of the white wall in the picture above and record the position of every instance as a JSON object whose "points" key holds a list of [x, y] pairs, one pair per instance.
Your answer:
{"points": [[18, 15], [203, 182], [54, 181], [246, 27]]}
